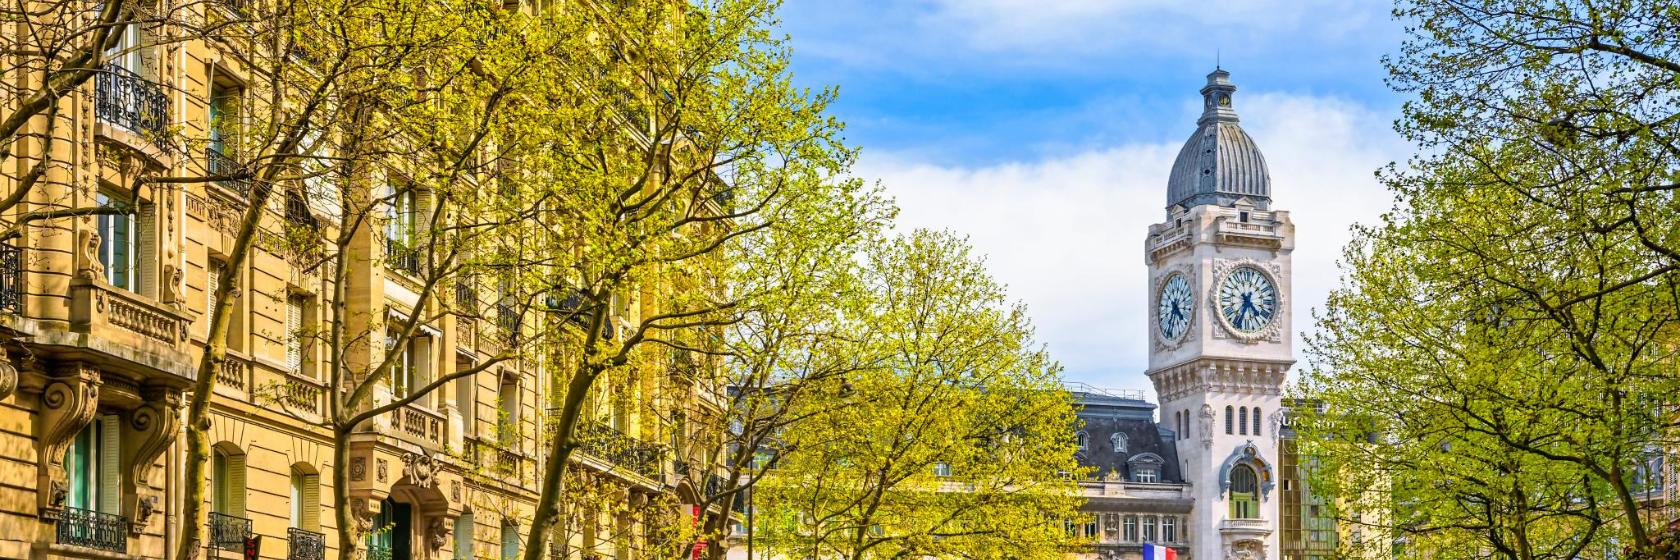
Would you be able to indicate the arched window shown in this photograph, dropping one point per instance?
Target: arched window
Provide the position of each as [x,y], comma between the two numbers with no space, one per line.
[1186,423]
[1242,421]
[1084,441]
[1228,420]
[1245,486]
[1256,420]
[1118,441]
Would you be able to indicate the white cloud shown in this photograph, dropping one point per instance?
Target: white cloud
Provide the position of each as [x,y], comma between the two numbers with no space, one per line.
[1066,233]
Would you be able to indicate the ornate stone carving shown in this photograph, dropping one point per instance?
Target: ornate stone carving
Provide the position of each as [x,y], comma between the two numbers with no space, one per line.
[145,436]
[1206,426]
[8,375]
[437,533]
[172,285]
[143,514]
[362,515]
[455,491]
[379,470]
[90,267]
[1247,549]
[420,470]
[358,468]
[68,403]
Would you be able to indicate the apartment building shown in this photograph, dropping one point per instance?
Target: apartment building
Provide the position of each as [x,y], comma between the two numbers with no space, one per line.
[104,318]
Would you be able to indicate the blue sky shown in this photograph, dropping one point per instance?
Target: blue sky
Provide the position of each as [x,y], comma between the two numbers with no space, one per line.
[1044,130]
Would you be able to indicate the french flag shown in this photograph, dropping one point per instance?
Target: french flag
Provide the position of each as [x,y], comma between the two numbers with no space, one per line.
[1158,552]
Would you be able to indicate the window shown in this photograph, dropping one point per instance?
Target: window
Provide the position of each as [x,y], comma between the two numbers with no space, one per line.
[1228,420]
[1256,420]
[1242,421]
[1149,528]
[227,482]
[1169,529]
[118,238]
[1091,527]
[1128,530]
[464,536]
[1118,441]
[507,409]
[510,541]
[942,469]
[466,396]
[224,124]
[216,272]
[1244,490]
[93,465]
[1084,441]
[306,500]
[295,306]
[399,225]
[1147,474]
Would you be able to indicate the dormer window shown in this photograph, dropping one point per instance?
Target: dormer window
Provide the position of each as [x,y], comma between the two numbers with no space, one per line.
[1118,441]
[1242,217]
[1084,441]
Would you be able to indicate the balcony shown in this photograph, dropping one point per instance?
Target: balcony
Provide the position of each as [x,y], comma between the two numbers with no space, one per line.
[228,532]
[11,279]
[376,551]
[617,449]
[1250,233]
[124,317]
[400,256]
[127,100]
[305,545]
[507,321]
[418,424]
[92,529]
[301,394]
[218,164]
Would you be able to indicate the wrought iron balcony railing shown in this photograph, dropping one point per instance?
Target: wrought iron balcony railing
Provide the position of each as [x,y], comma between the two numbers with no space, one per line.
[617,448]
[11,279]
[507,319]
[218,164]
[378,551]
[305,545]
[125,99]
[400,256]
[92,529]
[228,532]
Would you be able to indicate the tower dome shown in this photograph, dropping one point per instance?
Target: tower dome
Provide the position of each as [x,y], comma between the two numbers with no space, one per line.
[1220,163]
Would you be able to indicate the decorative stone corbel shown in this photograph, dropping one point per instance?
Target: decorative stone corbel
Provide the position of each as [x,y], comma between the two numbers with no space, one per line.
[90,267]
[145,436]
[437,535]
[68,403]
[8,375]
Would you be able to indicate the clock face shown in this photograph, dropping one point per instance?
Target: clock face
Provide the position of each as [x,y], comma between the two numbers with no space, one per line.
[1172,313]
[1247,299]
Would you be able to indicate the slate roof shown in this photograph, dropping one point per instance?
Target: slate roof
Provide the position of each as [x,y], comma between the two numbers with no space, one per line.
[1102,415]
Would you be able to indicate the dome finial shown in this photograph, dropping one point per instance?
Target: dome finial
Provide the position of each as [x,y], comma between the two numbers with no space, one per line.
[1216,98]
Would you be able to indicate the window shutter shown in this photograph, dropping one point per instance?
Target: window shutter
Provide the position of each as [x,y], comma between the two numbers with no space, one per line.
[236,484]
[464,536]
[110,465]
[212,282]
[144,270]
[294,339]
[312,502]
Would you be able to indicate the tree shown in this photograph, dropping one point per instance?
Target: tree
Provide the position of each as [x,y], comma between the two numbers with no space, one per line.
[956,440]
[678,137]
[1501,349]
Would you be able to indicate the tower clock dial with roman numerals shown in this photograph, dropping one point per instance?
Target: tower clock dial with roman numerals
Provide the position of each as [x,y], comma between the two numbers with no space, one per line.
[1176,303]
[1247,300]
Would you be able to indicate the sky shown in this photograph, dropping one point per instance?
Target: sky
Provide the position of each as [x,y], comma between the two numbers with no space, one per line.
[1044,130]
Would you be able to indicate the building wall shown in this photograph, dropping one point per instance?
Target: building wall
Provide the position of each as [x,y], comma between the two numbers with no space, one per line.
[80,347]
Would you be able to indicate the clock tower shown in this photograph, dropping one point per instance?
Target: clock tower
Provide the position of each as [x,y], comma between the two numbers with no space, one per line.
[1220,331]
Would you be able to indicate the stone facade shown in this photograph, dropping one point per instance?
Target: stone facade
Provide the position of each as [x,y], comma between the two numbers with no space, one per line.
[99,356]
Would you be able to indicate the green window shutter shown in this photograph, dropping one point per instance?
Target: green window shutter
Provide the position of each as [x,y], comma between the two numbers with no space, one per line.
[144,280]
[510,542]
[110,465]
[236,485]
[312,502]
[219,482]
[294,340]
[76,462]
[464,536]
